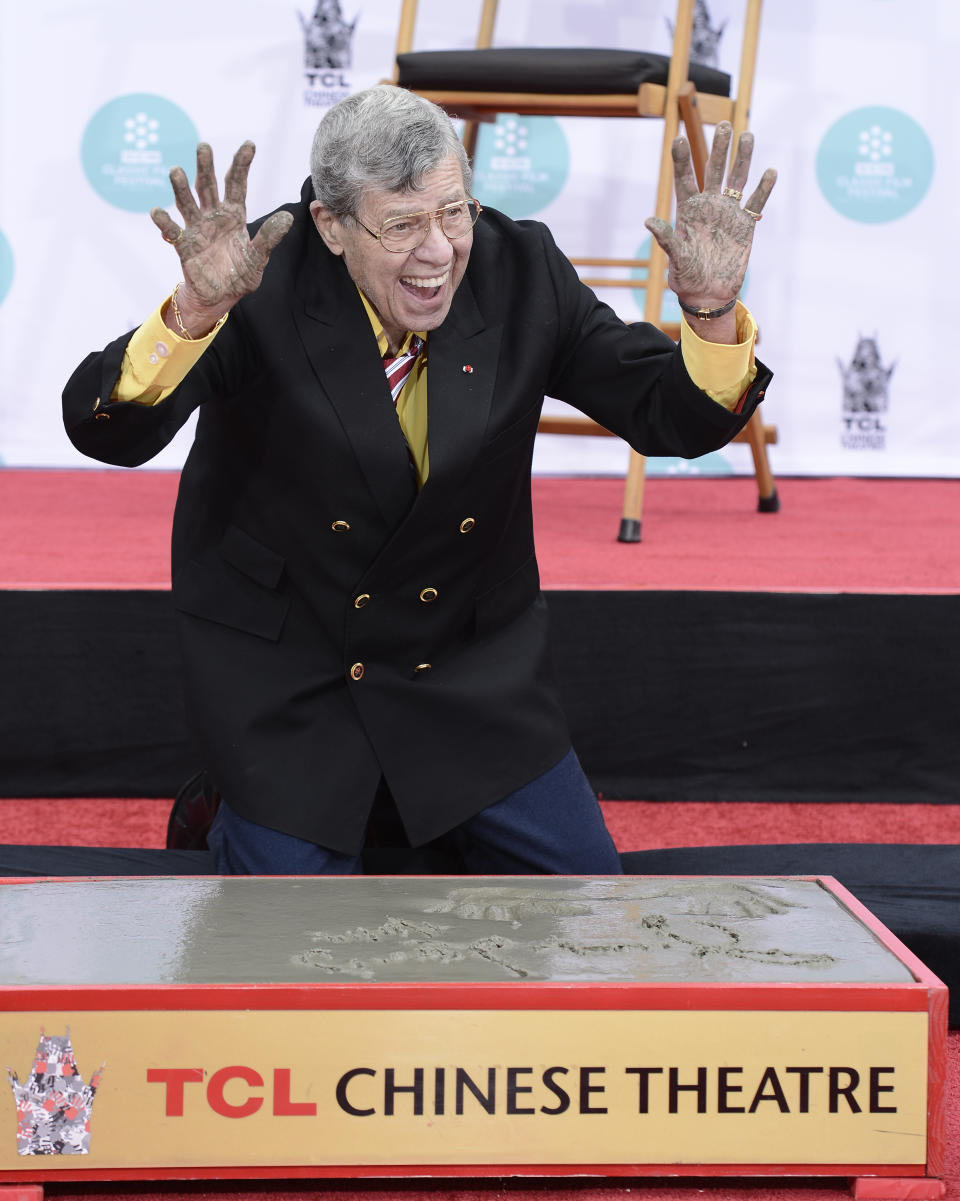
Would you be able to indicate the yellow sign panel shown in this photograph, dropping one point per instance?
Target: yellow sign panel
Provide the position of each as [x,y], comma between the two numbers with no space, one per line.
[411,1087]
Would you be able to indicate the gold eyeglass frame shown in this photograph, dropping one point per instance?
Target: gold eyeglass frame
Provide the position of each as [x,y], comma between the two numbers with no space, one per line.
[431,215]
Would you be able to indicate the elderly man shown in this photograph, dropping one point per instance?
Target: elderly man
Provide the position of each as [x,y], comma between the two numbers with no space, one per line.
[354,576]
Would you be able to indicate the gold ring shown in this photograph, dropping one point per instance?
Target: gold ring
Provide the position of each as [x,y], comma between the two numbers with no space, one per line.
[173,241]
[751,213]
[733,194]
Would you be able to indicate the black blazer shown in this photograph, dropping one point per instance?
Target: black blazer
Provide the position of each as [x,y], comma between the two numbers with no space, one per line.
[297,500]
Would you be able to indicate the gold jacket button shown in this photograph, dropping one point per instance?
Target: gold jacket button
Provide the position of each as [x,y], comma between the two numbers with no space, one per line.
[101,417]
[428,595]
[356,672]
[341,527]
[361,600]
[421,667]
[467,525]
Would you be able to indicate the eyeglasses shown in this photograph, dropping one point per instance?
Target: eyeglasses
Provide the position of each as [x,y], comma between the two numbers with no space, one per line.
[400,235]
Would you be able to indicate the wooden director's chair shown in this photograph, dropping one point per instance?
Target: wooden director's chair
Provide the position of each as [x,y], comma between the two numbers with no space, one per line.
[478,84]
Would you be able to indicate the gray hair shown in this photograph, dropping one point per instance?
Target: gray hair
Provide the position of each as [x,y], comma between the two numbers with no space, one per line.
[384,137]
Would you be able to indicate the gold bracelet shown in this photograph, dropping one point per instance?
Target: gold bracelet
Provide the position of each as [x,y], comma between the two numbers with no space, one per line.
[176,316]
[187,337]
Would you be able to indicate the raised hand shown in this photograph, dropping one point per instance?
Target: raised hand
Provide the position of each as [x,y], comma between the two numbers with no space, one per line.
[219,260]
[709,246]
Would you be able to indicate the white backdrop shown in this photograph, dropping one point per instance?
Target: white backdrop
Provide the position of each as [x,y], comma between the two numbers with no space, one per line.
[853,277]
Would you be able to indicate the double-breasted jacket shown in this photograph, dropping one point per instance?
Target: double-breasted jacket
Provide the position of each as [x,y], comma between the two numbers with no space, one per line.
[338,626]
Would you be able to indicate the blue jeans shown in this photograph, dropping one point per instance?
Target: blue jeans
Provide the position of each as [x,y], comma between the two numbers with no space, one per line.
[553,825]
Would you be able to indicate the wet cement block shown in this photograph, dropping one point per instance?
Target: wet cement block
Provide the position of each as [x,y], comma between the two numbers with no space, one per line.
[529,1025]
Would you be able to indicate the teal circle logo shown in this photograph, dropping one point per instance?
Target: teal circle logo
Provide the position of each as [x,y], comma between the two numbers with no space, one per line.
[713,463]
[129,147]
[6,267]
[669,308]
[521,164]
[875,164]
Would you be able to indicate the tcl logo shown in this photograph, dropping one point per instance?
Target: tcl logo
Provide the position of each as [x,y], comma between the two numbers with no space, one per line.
[232,1092]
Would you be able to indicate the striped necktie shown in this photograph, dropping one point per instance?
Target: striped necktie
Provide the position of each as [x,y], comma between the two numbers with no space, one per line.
[399,368]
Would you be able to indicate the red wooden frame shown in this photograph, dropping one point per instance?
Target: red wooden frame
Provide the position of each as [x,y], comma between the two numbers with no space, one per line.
[906,1181]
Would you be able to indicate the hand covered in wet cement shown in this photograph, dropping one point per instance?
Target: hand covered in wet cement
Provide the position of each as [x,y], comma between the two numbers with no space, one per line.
[220,262]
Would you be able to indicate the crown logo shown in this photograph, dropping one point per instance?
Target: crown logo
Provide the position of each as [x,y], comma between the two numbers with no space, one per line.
[865,379]
[53,1103]
[328,37]
[705,38]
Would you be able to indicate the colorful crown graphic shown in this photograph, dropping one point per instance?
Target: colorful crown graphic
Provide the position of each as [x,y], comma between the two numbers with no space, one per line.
[53,1103]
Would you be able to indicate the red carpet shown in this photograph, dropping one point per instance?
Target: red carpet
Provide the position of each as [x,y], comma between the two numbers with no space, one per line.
[831,535]
[635,825]
[111,529]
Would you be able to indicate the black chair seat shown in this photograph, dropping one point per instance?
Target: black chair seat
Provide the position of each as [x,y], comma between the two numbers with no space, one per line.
[572,71]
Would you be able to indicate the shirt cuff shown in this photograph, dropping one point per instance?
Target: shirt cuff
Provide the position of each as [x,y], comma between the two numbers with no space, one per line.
[723,371]
[157,360]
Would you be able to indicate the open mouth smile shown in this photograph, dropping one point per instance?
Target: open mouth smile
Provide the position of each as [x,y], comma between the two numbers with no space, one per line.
[424,287]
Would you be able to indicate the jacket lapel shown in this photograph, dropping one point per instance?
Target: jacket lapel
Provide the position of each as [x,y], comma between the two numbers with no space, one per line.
[461,369]
[336,333]
[342,350]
